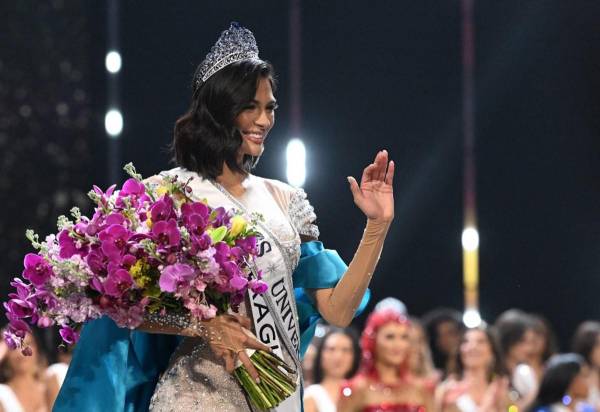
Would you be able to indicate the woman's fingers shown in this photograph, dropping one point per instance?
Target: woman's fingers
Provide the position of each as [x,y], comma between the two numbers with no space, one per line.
[382,163]
[243,320]
[389,176]
[254,343]
[367,174]
[354,188]
[248,365]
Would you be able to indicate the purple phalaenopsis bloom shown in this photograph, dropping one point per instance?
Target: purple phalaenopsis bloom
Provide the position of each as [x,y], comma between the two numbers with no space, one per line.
[195,217]
[114,241]
[238,282]
[162,209]
[248,244]
[258,286]
[68,246]
[135,191]
[117,283]
[174,275]
[166,233]
[69,335]
[221,217]
[36,270]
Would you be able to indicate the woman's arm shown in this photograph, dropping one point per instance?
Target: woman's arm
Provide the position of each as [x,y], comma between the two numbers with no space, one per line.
[310,405]
[374,196]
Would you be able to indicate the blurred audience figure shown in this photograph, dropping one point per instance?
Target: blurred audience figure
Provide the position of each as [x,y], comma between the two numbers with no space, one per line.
[516,336]
[384,382]
[544,344]
[393,304]
[478,384]
[55,373]
[308,361]
[586,342]
[337,358]
[444,327]
[23,386]
[564,386]
[420,361]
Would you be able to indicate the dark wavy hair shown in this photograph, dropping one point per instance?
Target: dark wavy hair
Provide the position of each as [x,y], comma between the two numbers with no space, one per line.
[205,137]
[560,372]
[497,368]
[511,327]
[585,339]
[350,333]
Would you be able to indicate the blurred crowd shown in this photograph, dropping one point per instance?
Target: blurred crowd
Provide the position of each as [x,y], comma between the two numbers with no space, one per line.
[402,363]
[397,363]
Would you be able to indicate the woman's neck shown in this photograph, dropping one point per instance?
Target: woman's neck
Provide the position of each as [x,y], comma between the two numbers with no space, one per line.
[23,377]
[231,180]
[388,374]
[476,376]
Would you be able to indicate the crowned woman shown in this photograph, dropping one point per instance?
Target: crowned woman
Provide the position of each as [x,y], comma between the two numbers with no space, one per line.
[173,366]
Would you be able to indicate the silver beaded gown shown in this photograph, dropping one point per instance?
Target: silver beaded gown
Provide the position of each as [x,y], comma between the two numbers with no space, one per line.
[195,379]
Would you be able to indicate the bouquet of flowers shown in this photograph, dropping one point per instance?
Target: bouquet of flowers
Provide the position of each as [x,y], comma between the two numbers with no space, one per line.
[149,249]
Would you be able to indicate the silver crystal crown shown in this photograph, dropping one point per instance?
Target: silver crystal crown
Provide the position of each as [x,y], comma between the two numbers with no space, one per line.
[235,44]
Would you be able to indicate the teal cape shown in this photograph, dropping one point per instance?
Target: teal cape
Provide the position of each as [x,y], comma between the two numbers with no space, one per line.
[116,369]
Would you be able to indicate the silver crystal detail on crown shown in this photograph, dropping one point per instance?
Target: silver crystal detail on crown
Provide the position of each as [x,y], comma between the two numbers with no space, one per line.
[235,44]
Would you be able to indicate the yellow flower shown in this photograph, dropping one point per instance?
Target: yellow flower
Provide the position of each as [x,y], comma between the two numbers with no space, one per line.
[238,225]
[161,191]
[139,273]
[148,220]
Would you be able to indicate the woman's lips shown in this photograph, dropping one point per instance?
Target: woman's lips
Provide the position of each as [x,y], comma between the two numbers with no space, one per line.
[254,137]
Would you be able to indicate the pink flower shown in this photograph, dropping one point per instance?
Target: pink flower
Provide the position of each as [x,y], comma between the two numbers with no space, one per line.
[36,269]
[174,275]
[69,335]
[166,233]
[117,283]
[258,286]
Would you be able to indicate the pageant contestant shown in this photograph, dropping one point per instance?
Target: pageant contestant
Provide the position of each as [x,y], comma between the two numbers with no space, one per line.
[217,142]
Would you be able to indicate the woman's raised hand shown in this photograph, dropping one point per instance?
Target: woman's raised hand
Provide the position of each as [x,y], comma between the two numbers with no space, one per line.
[375,194]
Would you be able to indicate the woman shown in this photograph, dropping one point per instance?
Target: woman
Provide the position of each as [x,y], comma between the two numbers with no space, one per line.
[544,344]
[564,386]
[384,382]
[478,384]
[216,144]
[516,337]
[337,359]
[443,327]
[586,342]
[24,386]
[421,363]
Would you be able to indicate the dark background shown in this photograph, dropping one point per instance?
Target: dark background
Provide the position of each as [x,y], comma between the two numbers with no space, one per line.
[378,74]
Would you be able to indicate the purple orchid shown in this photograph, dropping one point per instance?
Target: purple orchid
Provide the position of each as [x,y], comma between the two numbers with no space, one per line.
[117,283]
[69,247]
[162,209]
[258,286]
[69,335]
[174,275]
[37,270]
[114,241]
[166,233]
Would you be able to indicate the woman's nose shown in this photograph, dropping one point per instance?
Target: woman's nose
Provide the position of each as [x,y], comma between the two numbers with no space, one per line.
[262,119]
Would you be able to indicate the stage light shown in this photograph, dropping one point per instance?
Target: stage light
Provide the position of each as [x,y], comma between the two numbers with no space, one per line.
[470,239]
[113,123]
[113,61]
[296,162]
[471,318]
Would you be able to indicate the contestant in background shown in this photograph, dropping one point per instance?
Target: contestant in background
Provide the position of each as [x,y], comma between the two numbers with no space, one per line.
[384,382]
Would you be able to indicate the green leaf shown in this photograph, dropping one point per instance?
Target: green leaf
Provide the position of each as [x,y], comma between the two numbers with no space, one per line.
[218,234]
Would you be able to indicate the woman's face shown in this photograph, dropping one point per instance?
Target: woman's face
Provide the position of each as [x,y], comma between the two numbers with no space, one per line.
[417,342]
[523,351]
[476,350]
[580,386]
[595,355]
[337,356]
[392,344]
[256,119]
[539,345]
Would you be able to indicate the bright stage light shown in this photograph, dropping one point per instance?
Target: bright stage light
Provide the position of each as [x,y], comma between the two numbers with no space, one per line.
[471,318]
[296,162]
[113,123]
[113,61]
[470,239]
